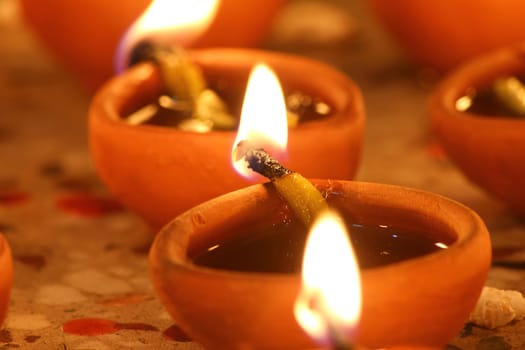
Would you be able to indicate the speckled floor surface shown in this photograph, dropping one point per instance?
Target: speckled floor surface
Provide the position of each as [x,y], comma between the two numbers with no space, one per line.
[81,259]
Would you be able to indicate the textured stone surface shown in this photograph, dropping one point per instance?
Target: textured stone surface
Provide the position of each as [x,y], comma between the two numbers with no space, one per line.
[80,258]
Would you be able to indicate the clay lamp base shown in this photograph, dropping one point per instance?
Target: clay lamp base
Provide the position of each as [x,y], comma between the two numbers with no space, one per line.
[6,276]
[159,172]
[489,149]
[422,301]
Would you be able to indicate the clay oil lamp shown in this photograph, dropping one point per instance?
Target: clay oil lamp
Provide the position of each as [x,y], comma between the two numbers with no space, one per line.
[160,171]
[6,276]
[475,114]
[229,270]
[443,34]
[234,308]
[83,36]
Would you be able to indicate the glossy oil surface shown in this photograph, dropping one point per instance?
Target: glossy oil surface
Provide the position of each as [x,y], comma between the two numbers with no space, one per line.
[279,249]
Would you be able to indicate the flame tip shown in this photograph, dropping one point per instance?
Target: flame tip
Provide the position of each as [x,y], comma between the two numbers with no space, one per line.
[263,121]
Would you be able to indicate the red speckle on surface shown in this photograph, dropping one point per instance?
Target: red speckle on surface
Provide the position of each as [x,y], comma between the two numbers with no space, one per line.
[36,261]
[13,198]
[87,205]
[436,151]
[90,326]
[6,228]
[99,326]
[175,333]
[5,336]
[31,338]
[142,249]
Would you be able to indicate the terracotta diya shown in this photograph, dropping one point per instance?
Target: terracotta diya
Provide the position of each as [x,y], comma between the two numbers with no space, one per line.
[159,172]
[6,276]
[420,301]
[488,147]
[443,34]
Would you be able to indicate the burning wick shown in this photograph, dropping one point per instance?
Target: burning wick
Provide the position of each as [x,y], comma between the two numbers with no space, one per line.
[260,161]
[310,206]
[318,306]
[301,195]
[147,51]
[186,88]
[182,78]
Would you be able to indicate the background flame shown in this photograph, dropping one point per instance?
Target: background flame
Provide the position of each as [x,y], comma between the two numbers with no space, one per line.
[165,22]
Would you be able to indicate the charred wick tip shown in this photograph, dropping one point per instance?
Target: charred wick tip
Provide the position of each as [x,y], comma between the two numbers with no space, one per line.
[261,162]
[302,196]
[148,51]
[143,51]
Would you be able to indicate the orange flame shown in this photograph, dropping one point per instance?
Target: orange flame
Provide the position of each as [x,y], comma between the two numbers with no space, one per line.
[263,118]
[330,297]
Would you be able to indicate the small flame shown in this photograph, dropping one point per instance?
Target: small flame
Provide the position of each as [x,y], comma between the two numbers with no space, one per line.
[167,22]
[263,117]
[329,304]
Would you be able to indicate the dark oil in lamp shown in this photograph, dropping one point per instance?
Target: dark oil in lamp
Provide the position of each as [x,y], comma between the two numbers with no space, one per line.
[169,112]
[504,96]
[279,248]
[193,100]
